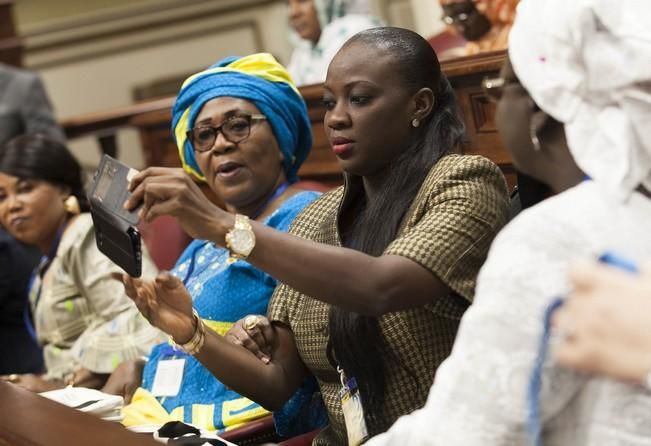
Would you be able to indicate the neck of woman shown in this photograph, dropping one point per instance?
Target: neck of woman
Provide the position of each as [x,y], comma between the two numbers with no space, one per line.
[373,183]
[47,245]
[265,204]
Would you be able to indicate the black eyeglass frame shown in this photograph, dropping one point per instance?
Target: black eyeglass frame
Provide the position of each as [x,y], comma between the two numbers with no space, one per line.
[251,119]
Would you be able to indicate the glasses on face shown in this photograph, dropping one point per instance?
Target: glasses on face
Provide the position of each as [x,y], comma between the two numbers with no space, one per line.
[456,18]
[235,129]
[493,88]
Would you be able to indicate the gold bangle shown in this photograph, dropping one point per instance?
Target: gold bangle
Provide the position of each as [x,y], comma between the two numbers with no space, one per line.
[198,338]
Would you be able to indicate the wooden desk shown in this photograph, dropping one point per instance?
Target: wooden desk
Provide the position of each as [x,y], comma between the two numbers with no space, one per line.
[27,419]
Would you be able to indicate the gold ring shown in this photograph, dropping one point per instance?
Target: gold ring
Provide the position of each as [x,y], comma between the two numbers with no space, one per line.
[13,378]
[250,322]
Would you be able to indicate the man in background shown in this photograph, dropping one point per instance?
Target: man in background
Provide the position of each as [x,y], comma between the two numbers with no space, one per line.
[24,105]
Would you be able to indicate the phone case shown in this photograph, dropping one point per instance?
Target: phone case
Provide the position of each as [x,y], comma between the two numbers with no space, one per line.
[115,235]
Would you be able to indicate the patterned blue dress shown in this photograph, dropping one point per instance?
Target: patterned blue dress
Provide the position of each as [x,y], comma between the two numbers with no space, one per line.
[222,293]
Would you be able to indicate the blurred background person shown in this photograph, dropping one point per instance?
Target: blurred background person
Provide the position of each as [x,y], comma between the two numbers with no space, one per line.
[485,24]
[319,29]
[24,108]
[24,105]
[19,352]
[82,318]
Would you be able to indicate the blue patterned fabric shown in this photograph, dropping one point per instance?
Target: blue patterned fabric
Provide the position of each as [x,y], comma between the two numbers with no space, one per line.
[222,292]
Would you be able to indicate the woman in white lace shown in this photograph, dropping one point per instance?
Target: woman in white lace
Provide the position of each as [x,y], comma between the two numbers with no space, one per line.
[580,81]
[320,28]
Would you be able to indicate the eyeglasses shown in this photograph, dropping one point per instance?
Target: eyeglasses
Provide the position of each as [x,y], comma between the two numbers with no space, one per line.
[235,129]
[456,18]
[493,88]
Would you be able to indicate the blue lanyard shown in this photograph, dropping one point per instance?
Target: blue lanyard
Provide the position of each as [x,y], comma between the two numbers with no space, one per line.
[40,269]
[535,380]
[277,193]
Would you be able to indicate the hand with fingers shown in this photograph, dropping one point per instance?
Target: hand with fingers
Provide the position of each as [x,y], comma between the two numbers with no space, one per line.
[166,191]
[164,302]
[256,334]
[125,379]
[607,324]
[32,382]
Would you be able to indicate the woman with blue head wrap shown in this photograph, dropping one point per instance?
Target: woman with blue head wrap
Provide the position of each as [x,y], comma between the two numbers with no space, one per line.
[263,82]
[242,127]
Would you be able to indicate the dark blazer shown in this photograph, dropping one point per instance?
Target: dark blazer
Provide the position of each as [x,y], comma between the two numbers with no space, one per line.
[19,353]
[24,106]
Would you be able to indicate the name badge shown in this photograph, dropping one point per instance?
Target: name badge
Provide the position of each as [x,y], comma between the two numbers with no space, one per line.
[168,377]
[351,405]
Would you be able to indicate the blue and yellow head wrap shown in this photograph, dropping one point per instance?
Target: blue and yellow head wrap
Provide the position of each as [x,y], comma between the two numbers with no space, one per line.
[258,78]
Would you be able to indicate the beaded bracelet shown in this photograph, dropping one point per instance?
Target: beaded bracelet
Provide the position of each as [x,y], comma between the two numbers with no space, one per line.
[195,343]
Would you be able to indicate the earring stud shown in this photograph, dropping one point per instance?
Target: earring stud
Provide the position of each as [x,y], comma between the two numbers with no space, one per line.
[415,122]
[534,137]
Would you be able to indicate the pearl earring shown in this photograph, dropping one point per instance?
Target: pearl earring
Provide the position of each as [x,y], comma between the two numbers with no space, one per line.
[415,122]
[71,205]
[534,137]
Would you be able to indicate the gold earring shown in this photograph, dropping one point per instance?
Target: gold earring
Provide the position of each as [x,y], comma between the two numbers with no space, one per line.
[71,205]
[415,122]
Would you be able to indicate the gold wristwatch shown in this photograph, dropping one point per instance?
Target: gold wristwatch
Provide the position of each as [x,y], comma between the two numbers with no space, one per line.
[240,240]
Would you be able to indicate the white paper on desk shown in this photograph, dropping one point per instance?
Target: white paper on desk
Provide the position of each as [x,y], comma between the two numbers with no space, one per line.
[103,405]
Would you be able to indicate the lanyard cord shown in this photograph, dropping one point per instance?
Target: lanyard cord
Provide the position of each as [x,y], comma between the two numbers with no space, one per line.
[535,381]
[277,193]
[40,270]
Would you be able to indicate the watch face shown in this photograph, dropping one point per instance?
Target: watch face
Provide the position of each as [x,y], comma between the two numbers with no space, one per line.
[242,241]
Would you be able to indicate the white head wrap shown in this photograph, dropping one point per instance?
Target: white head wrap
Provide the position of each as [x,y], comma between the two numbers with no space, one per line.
[328,11]
[587,63]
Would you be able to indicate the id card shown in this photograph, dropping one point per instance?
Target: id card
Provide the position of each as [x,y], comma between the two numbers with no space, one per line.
[351,405]
[168,377]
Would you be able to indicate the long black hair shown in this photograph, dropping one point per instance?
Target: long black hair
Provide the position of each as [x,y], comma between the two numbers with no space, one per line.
[356,342]
[39,157]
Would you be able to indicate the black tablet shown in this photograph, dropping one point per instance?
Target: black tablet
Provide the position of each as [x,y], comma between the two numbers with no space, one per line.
[115,231]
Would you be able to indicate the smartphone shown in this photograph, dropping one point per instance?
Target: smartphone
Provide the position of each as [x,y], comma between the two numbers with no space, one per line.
[115,232]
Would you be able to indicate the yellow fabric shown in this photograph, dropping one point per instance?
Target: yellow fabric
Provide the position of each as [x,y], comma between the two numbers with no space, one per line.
[240,417]
[218,327]
[203,415]
[179,131]
[262,65]
[145,409]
